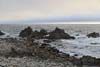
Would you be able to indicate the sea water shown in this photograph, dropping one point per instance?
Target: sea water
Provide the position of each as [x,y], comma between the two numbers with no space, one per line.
[81,46]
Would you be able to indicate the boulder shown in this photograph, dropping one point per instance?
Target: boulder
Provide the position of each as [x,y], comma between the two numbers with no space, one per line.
[1,33]
[94,35]
[26,32]
[59,34]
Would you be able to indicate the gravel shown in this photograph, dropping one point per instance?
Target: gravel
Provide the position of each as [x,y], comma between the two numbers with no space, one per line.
[31,62]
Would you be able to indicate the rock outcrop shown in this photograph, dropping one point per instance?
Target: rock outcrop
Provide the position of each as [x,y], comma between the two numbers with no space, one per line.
[39,34]
[93,35]
[59,34]
[43,34]
[26,32]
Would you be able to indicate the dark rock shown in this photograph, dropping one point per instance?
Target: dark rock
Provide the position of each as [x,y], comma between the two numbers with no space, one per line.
[1,33]
[53,49]
[43,32]
[75,54]
[64,55]
[26,32]
[59,34]
[19,53]
[77,62]
[2,66]
[39,34]
[88,60]
[49,41]
[77,34]
[44,45]
[94,35]
[97,62]
[35,34]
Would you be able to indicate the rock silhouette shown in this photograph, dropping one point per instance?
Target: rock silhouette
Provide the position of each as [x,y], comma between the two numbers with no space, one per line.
[26,32]
[39,34]
[42,34]
[59,34]
[94,35]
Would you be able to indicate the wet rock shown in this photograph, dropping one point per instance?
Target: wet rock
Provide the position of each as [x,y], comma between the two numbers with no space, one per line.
[75,54]
[26,32]
[1,33]
[49,40]
[44,45]
[59,34]
[94,35]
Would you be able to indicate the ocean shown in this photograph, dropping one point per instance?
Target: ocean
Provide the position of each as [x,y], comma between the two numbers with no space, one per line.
[81,46]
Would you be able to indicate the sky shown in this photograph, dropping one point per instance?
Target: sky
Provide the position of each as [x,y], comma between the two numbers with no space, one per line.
[49,10]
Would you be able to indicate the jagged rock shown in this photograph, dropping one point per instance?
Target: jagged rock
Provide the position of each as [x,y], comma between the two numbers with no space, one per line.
[1,33]
[26,32]
[43,32]
[39,34]
[94,35]
[35,34]
[59,34]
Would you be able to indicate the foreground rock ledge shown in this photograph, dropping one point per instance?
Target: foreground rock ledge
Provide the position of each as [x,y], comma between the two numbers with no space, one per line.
[20,53]
[31,62]
[20,48]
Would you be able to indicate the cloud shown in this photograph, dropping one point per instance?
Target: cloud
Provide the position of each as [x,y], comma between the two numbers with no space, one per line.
[21,9]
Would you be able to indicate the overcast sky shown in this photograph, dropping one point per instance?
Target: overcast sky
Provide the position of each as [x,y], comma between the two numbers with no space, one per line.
[49,9]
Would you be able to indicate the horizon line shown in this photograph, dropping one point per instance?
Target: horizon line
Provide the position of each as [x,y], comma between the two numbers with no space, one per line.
[92,22]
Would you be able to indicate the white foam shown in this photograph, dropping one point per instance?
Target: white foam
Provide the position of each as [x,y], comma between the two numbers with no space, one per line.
[7,35]
[82,45]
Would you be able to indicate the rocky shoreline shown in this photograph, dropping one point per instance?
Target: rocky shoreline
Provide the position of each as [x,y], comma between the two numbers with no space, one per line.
[18,53]
[26,46]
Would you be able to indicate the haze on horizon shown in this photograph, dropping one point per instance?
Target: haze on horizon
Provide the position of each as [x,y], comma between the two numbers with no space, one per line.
[49,10]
